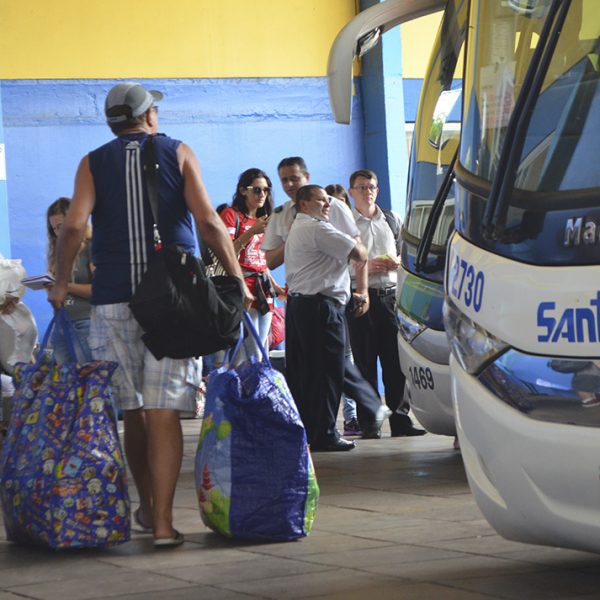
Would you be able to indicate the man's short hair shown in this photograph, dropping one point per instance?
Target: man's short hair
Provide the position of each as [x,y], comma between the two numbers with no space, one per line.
[306,191]
[127,104]
[291,161]
[366,173]
[132,123]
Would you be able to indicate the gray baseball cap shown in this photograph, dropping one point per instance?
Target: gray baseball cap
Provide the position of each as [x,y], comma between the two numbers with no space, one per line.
[129,100]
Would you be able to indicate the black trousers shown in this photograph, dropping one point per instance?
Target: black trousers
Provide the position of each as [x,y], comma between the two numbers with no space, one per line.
[315,355]
[374,336]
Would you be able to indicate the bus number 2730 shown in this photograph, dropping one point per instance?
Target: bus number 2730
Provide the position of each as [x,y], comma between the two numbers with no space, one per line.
[466,283]
[421,378]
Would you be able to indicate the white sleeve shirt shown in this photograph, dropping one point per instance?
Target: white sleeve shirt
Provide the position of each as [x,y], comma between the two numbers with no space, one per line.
[316,259]
[379,240]
[341,217]
[279,226]
[280,222]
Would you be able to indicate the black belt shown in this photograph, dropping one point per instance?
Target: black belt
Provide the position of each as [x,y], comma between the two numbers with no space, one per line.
[382,292]
[317,297]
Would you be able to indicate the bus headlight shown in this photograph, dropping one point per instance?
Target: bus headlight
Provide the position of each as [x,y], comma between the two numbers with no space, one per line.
[472,346]
[408,327]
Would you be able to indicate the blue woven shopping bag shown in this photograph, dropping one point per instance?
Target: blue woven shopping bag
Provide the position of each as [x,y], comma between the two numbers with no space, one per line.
[62,473]
[254,474]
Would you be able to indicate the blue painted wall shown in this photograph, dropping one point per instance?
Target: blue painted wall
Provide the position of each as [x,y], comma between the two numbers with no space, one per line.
[231,124]
[4,224]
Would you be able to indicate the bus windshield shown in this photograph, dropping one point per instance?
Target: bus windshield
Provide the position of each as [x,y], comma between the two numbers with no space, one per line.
[437,130]
[562,133]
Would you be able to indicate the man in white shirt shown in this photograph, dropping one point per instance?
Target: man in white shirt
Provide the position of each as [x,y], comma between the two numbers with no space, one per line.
[374,335]
[294,174]
[318,279]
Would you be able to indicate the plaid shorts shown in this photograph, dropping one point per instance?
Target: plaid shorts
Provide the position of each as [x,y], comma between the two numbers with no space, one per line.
[141,381]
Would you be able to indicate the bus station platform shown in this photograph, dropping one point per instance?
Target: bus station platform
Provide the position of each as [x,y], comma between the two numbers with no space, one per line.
[395,521]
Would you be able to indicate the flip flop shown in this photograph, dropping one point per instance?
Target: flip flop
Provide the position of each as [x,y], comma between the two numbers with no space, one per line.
[141,528]
[171,542]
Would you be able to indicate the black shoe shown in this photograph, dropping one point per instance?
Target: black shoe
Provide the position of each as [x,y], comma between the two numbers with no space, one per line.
[410,431]
[401,425]
[339,445]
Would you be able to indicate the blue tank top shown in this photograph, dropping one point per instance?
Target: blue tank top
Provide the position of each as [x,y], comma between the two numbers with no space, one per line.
[122,242]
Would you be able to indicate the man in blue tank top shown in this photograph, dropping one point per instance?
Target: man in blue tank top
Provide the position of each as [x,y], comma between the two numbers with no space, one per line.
[110,187]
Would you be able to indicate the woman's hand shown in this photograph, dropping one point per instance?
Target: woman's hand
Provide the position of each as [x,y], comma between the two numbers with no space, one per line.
[280,292]
[259,226]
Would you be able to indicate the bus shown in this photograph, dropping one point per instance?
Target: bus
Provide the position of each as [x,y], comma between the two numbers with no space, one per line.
[521,310]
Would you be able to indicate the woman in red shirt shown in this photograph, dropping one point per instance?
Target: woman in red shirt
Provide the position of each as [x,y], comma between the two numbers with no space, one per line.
[246,221]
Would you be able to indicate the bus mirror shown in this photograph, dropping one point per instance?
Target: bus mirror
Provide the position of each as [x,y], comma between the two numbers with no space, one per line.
[443,107]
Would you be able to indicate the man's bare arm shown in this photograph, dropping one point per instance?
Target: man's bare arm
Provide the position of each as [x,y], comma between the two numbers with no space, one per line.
[211,227]
[275,257]
[72,231]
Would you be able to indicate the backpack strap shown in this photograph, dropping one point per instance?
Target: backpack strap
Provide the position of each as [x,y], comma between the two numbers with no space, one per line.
[394,224]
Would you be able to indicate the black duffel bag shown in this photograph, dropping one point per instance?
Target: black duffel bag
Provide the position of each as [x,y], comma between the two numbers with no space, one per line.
[182,311]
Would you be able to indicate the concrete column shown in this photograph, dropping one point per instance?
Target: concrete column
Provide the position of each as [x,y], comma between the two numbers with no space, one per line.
[383,106]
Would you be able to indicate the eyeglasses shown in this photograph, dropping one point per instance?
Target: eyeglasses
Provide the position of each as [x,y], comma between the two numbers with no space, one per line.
[365,188]
[257,189]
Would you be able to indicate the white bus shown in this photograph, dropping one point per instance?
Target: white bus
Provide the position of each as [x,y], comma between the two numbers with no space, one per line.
[522,309]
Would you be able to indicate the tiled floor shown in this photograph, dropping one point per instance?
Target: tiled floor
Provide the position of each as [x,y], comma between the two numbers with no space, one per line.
[395,521]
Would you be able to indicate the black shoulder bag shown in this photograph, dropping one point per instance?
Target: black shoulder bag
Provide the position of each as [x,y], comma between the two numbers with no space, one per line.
[183,312]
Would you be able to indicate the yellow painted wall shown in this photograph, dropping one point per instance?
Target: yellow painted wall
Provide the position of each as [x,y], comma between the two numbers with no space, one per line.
[417,39]
[72,39]
[56,39]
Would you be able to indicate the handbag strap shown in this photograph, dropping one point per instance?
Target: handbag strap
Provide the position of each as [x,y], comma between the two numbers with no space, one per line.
[151,167]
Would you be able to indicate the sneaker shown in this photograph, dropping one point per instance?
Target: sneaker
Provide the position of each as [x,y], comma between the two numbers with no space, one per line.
[352,428]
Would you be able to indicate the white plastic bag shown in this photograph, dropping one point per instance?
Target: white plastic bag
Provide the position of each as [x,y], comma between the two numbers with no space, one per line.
[11,273]
[18,337]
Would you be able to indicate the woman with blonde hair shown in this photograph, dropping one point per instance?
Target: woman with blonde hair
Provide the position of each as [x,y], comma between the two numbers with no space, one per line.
[77,303]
